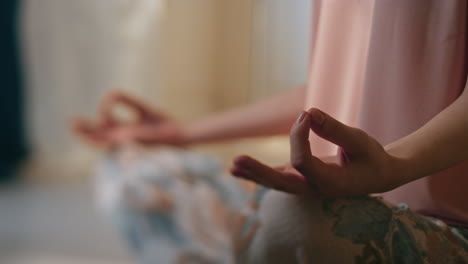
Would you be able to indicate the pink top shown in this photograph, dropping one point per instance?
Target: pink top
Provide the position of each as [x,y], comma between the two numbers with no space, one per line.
[388,67]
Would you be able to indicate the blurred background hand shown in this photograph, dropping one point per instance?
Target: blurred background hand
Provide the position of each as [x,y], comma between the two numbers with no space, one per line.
[147,125]
[72,52]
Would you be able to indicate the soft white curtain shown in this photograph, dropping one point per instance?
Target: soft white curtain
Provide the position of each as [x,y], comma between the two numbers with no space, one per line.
[189,57]
[74,51]
[275,34]
[281,42]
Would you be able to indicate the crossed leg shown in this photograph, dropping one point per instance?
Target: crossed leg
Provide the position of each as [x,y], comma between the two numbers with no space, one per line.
[349,230]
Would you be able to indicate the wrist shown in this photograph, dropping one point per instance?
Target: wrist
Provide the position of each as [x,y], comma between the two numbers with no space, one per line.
[401,164]
[187,135]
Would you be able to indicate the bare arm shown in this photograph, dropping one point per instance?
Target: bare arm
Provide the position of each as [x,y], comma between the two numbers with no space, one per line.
[152,127]
[438,145]
[364,165]
[270,117]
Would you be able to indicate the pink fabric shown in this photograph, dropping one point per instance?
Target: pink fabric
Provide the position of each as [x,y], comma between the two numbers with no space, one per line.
[388,67]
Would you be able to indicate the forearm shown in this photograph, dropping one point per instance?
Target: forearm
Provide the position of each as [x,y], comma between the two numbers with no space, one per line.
[273,116]
[438,145]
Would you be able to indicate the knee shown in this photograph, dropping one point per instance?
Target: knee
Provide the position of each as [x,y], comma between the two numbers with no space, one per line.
[289,223]
[358,218]
[296,214]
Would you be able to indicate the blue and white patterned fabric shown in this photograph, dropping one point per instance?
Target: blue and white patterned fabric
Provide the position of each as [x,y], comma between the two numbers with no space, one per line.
[203,198]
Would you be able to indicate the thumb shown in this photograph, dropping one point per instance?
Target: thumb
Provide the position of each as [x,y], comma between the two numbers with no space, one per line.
[352,140]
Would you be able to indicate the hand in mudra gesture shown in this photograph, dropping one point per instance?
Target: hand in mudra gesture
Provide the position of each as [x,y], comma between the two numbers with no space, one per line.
[148,127]
[362,166]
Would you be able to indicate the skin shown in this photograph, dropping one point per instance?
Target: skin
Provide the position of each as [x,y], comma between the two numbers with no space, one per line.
[151,127]
[360,161]
[438,145]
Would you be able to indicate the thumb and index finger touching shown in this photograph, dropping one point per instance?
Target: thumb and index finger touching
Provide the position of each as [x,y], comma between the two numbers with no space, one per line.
[115,98]
[96,130]
[348,138]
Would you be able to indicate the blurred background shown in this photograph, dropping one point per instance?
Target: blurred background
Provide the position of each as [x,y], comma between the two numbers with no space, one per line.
[187,57]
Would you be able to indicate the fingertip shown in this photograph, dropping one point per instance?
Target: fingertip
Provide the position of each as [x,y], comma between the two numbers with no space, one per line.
[232,170]
[301,117]
[317,117]
[116,92]
[110,98]
[302,123]
[313,110]
[235,171]
[242,161]
[239,172]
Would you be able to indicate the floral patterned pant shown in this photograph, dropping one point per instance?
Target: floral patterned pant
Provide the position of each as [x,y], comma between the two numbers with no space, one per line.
[353,230]
[199,215]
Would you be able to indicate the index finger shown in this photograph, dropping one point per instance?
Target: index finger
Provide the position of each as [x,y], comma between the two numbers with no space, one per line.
[115,98]
[301,155]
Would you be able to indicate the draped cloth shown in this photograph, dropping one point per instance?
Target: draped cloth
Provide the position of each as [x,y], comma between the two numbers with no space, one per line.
[388,67]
